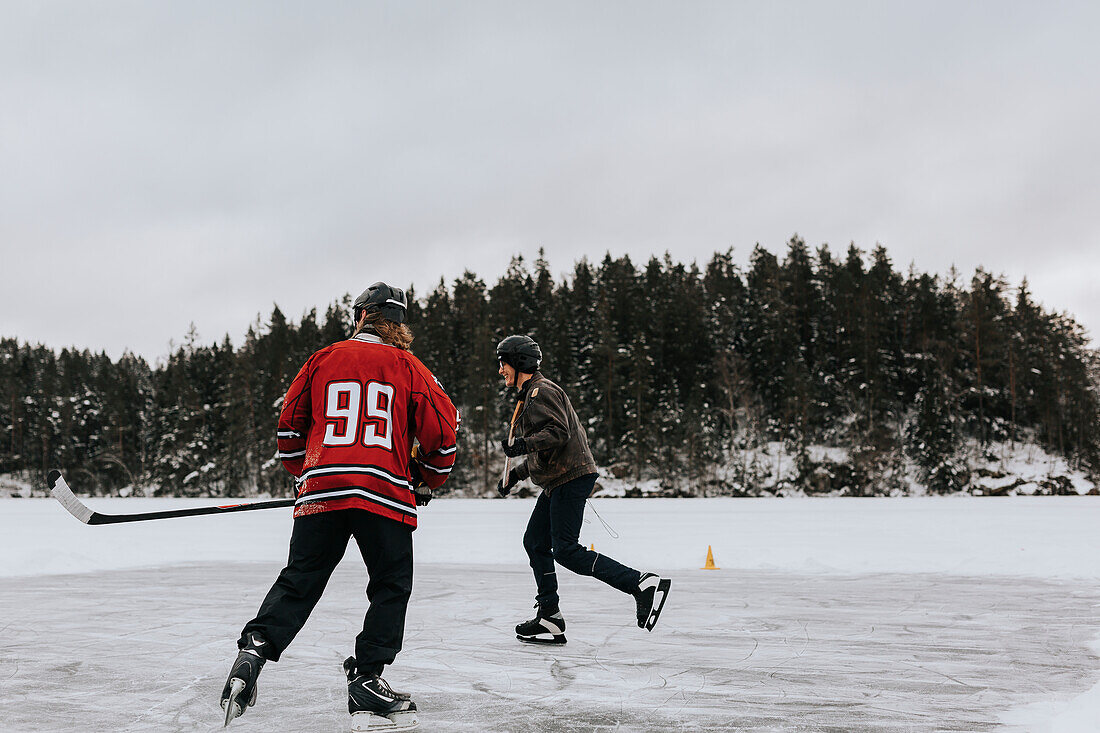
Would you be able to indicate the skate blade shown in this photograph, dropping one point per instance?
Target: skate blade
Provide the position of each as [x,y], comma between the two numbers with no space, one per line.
[404,720]
[658,605]
[555,641]
[233,709]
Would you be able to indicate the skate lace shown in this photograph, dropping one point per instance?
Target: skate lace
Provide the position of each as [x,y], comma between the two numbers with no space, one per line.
[539,615]
[607,527]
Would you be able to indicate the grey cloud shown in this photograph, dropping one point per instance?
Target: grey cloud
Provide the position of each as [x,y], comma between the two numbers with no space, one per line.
[169,163]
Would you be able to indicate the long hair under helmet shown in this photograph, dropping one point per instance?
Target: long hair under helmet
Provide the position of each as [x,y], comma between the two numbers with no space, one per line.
[382,298]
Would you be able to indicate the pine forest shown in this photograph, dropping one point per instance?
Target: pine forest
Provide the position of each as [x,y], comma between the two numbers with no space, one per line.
[808,373]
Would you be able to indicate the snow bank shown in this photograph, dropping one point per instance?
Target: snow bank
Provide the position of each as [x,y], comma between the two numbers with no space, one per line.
[11,486]
[995,469]
[1048,537]
[1024,468]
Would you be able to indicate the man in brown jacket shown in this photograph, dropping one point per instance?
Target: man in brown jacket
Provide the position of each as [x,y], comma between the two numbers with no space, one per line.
[546,429]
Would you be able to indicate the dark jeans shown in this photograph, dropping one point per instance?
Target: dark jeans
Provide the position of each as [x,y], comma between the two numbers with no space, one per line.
[553,533]
[317,544]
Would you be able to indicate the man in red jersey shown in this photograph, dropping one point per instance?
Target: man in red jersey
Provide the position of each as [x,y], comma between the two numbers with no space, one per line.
[346,432]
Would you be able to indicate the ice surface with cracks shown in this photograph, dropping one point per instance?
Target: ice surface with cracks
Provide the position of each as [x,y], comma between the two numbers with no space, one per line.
[828,615]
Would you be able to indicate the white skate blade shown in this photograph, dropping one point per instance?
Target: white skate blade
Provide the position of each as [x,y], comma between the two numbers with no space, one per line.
[659,596]
[233,709]
[543,639]
[404,720]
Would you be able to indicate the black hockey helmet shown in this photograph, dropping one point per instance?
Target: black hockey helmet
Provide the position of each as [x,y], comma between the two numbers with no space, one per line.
[520,352]
[385,298]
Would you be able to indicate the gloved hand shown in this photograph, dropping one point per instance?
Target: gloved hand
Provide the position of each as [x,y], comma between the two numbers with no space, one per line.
[505,488]
[416,478]
[422,495]
[517,448]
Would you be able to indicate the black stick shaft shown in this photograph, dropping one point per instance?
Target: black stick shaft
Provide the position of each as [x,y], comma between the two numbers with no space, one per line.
[61,491]
[98,518]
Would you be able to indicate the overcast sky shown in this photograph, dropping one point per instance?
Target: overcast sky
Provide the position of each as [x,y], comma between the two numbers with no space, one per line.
[169,163]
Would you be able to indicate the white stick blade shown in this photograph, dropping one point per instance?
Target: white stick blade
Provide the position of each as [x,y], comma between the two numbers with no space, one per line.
[61,491]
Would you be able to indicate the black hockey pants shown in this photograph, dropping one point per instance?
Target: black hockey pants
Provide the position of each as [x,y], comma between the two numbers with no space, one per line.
[553,533]
[317,544]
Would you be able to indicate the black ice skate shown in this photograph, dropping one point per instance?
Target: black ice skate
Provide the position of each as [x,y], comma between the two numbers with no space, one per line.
[374,705]
[651,594]
[544,628]
[240,689]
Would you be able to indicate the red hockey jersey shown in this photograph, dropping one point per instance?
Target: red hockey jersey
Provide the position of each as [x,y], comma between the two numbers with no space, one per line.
[347,428]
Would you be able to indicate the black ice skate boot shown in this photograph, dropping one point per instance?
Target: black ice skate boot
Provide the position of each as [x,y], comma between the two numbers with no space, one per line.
[240,689]
[547,627]
[374,705]
[650,597]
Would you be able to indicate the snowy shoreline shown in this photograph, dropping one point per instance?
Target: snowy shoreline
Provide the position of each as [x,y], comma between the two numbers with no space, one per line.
[1047,537]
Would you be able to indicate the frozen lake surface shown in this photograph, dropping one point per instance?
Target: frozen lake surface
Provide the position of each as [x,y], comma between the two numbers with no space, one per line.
[849,615]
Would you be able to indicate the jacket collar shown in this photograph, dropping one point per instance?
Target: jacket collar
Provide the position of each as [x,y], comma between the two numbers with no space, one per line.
[527,385]
[367,337]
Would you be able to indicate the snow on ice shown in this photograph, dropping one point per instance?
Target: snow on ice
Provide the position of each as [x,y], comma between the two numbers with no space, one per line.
[921,613]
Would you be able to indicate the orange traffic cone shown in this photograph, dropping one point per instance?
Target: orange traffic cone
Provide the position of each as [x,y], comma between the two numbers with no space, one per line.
[710,561]
[592,547]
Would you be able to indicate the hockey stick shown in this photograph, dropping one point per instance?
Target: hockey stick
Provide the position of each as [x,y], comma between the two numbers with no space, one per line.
[61,491]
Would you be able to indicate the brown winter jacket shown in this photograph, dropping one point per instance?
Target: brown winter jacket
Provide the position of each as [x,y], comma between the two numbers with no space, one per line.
[557,444]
